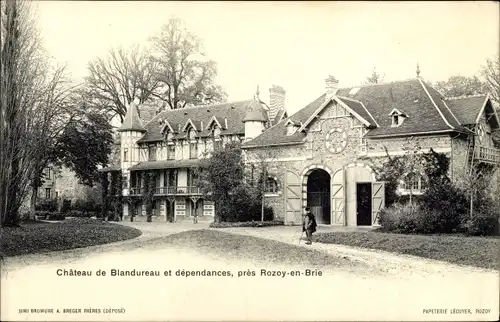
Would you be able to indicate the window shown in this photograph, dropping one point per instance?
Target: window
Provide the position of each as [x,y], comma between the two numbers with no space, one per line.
[397,117]
[192,134]
[171,152]
[395,120]
[290,129]
[47,193]
[152,152]
[414,183]
[193,150]
[125,155]
[46,173]
[271,186]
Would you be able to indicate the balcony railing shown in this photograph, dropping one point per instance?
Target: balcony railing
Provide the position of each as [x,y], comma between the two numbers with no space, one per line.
[485,154]
[187,190]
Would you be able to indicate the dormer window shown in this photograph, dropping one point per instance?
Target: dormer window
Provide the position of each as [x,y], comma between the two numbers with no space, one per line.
[397,117]
[192,134]
[291,128]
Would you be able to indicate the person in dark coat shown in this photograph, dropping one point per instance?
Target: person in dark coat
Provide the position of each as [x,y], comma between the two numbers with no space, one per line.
[309,225]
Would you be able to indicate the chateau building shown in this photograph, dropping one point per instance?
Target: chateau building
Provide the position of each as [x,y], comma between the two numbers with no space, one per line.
[173,142]
[321,157]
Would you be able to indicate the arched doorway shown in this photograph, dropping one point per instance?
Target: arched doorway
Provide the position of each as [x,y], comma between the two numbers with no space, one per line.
[318,195]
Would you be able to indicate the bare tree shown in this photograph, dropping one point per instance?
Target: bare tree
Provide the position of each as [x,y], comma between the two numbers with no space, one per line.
[119,79]
[491,72]
[262,161]
[375,77]
[32,97]
[186,78]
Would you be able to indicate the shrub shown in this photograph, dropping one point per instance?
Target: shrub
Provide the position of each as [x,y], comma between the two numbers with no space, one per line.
[482,224]
[66,206]
[79,214]
[49,215]
[448,199]
[86,206]
[46,205]
[418,219]
[243,206]
[485,220]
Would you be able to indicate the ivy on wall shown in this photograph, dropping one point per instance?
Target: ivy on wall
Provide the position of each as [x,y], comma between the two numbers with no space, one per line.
[148,190]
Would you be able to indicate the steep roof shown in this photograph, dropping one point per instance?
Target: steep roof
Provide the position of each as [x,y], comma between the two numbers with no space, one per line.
[132,121]
[255,112]
[277,133]
[427,111]
[466,108]
[229,115]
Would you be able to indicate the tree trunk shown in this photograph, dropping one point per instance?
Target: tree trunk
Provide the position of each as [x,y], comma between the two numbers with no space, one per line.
[471,203]
[262,208]
[33,201]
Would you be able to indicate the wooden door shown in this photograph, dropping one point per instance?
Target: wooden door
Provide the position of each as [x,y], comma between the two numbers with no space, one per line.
[378,200]
[338,198]
[293,198]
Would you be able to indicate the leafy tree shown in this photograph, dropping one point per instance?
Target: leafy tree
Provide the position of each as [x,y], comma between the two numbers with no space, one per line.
[84,145]
[461,86]
[222,177]
[375,77]
[118,79]
[185,78]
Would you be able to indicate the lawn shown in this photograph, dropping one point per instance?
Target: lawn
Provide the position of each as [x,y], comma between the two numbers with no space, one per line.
[253,249]
[473,251]
[41,237]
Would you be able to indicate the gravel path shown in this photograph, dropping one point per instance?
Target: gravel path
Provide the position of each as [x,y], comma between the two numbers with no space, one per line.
[396,264]
[412,286]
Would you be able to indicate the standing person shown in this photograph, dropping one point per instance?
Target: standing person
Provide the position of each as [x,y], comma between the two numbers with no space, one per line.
[309,225]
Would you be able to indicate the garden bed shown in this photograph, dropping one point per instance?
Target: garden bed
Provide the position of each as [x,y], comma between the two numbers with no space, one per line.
[39,237]
[458,249]
[246,224]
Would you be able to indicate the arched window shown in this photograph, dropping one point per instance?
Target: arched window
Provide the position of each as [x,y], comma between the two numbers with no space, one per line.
[271,185]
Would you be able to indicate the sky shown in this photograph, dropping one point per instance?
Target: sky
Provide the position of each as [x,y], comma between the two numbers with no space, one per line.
[292,44]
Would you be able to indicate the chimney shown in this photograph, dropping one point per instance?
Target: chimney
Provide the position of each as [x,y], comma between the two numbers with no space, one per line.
[276,100]
[331,86]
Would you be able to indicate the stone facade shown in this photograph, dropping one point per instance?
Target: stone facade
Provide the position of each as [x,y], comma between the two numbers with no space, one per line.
[62,183]
[317,152]
[348,155]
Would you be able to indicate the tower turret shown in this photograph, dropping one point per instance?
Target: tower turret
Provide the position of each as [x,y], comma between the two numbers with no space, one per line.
[131,131]
[255,120]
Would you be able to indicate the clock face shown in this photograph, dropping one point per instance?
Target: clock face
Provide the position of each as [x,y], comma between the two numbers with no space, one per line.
[336,140]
